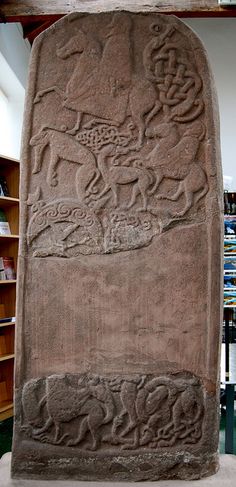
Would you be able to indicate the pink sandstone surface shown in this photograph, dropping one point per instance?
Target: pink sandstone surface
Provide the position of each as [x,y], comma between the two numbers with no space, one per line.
[119,295]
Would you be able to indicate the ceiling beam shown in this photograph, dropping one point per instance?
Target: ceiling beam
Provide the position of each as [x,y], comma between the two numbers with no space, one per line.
[33,29]
[36,10]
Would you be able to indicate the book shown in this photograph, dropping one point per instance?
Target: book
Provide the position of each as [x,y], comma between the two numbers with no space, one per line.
[8,320]
[229,299]
[229,264]
[230,246]
[7,269]
[229,203]
[4,225]
[230,282]
[4,191]
[230,225]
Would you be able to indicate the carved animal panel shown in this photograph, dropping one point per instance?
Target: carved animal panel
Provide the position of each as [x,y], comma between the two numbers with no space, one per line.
[135,151]
[130,412]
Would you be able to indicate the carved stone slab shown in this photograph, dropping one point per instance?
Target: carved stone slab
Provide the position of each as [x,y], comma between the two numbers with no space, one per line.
[120,272]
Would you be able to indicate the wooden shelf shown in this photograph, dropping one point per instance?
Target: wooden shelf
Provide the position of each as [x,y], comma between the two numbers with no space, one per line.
[7,414]
[8,160]
[31,12]
[7,323]
[6,410]
[8,201]
[5,405]
[8,281]
[7,237]
[9,171]
[6,357]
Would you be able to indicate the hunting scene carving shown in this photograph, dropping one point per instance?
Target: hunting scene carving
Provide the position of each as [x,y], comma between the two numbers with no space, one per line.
[93,412]
[137,142]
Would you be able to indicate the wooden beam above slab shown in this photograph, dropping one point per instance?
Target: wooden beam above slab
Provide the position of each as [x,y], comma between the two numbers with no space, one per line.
[35,10]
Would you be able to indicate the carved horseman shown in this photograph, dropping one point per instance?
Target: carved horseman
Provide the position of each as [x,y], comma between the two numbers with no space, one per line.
[104,90]
[100,88]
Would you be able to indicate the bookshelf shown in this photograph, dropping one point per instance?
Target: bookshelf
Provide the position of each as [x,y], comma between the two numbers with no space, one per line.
[9,170]
[230,249]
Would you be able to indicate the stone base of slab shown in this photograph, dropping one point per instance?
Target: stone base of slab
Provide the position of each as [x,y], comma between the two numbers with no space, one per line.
[225,476]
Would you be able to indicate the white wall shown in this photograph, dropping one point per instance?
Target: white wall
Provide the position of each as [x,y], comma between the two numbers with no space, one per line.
[14,60]
[15,50]
[219,38]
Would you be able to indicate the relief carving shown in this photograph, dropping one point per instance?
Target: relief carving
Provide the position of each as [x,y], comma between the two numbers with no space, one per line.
[69,225]
[168,65]
[136,141]
[102,88]
[93,412]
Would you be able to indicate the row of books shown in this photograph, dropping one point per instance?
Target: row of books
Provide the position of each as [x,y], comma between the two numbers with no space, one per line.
[229,264]
[4,225]
[229,282]
[7,268]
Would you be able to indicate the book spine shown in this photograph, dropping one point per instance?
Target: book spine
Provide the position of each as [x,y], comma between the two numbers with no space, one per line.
[2,272]
[9,269]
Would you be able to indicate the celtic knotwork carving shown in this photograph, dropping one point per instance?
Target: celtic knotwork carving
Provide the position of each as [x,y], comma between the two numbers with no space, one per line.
[93,412]
[95,138]
[169,66]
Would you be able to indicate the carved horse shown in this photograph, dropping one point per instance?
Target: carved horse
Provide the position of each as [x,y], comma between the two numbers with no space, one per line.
[100,88]
[64,146]
[174,158]
[194,182]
